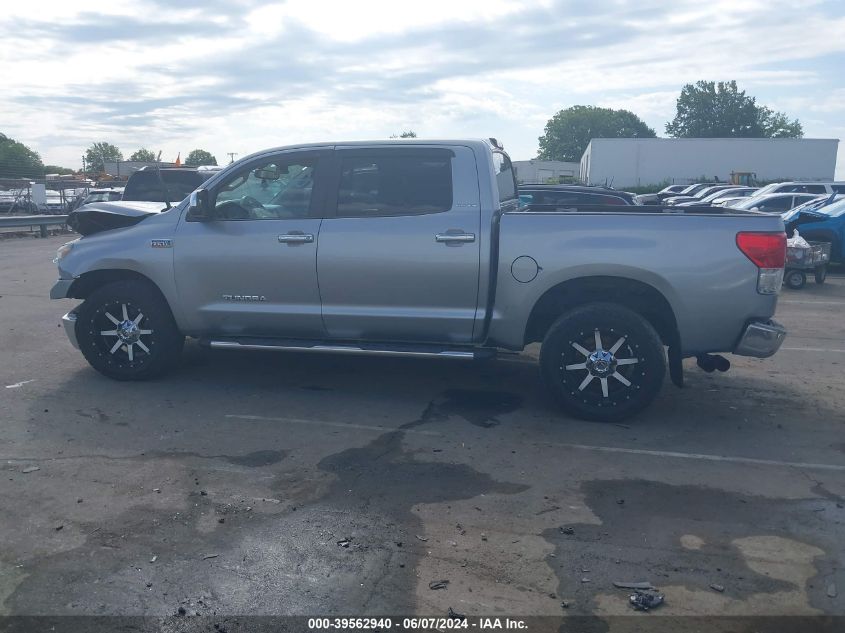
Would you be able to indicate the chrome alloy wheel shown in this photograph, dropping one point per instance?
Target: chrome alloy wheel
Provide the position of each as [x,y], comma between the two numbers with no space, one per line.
[615,368]
[126,334]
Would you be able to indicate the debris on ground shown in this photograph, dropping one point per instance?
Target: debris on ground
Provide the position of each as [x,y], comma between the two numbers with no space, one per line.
[483,536]
[207,556]
[460,529]
[181,611]
[158,490]
[644,586]
[421,538]
[642,601]
[454,615]
[567,530]
[59,527]
[831,590]
[79,500]
[30,469]
[344,542]
[564,604]
[221,520]
[438,584]
[719,588]
[154,559]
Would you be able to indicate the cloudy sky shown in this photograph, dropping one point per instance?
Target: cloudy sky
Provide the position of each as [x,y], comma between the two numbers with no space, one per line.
[242,75]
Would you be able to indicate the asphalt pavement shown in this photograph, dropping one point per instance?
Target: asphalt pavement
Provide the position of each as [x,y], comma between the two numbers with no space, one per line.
[294,484]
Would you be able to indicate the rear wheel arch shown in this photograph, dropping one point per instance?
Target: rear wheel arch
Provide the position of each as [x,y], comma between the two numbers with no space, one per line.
[640,297]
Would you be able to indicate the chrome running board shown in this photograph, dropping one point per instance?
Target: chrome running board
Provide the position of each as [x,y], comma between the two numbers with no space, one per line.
[362,349]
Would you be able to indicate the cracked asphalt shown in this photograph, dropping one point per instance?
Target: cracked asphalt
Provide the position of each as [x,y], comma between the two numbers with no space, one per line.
[289,484]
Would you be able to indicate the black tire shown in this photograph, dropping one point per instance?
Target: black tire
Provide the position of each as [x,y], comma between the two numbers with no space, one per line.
[155,330]
[795,279]
[586,399]
[821,274]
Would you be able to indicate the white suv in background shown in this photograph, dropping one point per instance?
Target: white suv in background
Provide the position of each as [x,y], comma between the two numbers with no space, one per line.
[819,188]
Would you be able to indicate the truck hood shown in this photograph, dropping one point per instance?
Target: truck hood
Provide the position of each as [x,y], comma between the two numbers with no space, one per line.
[103,216]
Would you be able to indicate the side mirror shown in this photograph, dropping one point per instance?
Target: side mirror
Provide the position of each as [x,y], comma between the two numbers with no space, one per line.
[199,207]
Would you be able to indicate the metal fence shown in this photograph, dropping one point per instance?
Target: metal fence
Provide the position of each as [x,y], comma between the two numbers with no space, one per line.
[32,221]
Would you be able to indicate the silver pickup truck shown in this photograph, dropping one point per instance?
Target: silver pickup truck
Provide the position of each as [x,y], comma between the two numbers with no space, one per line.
[422,248]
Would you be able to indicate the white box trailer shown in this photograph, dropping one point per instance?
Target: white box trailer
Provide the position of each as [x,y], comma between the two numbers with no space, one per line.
[632,162]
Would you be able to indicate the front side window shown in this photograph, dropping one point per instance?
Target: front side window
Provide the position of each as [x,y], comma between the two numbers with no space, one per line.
[781,203]
[277,189]
[395,184]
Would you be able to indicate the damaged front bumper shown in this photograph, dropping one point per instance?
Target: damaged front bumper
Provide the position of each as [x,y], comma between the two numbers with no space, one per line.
[69,323]
[761,339]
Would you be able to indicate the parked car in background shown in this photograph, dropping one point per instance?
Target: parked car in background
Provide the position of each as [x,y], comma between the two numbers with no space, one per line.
[657,198]
[733,192]
[103,195]
[421,249]
[804,187]
[821,220]
[698,195]
[554,197]
[775,202]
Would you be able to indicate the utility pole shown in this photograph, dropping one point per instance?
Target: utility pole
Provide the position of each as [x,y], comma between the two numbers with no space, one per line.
[231,156]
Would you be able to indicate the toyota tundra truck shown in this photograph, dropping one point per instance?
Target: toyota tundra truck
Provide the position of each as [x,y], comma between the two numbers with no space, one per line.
[422,248]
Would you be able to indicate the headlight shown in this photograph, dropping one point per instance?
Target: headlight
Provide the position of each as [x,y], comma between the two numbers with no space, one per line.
[64,251]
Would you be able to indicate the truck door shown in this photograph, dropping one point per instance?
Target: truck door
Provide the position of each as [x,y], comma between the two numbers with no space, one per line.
[399,259]
[252,268]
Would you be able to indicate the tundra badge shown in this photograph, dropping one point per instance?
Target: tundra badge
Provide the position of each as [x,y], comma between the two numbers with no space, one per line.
[163,243]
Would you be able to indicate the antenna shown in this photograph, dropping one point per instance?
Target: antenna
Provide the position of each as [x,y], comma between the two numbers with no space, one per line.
[231,156]
[161,180]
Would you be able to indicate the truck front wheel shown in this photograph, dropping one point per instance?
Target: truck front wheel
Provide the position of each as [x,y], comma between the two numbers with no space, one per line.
[126,331]
[602,362]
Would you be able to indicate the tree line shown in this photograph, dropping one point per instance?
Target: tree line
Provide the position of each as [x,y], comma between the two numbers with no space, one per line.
[705,109]
[19,161]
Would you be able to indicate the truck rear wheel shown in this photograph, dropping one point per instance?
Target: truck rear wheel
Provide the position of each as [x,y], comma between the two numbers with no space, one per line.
[795,279]
[126,331]
[602,362]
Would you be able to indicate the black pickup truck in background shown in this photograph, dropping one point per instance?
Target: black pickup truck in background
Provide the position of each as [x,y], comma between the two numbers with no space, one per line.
[170,184]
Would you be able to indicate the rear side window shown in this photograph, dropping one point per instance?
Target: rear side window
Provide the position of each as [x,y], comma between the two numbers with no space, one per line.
[505,177]
[813,189]
[395,183]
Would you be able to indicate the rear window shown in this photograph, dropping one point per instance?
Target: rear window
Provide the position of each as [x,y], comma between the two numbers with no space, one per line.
[395,183]
[146,186]
[505,177]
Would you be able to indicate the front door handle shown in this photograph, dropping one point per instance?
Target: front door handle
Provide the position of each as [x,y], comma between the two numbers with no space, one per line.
[296,238]
[450,238]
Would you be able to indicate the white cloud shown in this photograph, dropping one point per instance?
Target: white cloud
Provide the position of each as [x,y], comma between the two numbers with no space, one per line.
[238,75]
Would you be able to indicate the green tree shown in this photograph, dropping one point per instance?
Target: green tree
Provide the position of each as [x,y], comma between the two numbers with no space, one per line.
[143,155]
[17,160]
[405,134]
[200,157]
[57,169]
[568,132]
[708,109]
[99,153]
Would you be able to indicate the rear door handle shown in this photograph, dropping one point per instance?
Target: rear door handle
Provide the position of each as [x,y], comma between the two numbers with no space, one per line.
[296,238]
[449,238]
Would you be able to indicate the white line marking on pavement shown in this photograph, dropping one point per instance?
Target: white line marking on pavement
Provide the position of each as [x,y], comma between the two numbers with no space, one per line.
[340,425]
[813,349]
[818,303]
[581,447]
[19,384]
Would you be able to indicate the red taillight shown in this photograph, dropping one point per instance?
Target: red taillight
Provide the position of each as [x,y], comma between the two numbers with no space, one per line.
[766,250]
